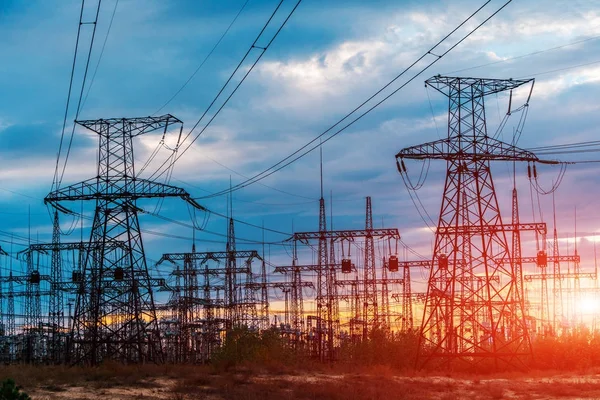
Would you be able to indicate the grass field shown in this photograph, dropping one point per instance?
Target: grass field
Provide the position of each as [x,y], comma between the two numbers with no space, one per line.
[195,382]
[251,366]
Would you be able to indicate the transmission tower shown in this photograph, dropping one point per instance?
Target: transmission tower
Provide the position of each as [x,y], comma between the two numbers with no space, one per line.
[333,309]
[264,292]
[231,283]
[10,312]
[56,310]
[322,282]
[385,297]
[115,315]
[370,311]
[470,294]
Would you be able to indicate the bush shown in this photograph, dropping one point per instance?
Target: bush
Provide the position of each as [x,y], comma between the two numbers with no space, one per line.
[10,391]
[243,346]
[575,350]
[398,351]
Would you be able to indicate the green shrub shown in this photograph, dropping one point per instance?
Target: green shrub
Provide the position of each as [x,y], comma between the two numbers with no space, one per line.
[10,391]
[243,346]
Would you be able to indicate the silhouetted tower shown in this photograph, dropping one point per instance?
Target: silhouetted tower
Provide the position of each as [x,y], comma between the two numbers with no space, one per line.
[355,309]
[264,292]
[249,312]
[10,311]
[115,316]
[3,319]
[231,284]
[407,301]
[385,295]
[370,310]
[323,275]
[187,309]
[33,308]
[473,272]
[518,294]
[56,307]
[209,334]
[558,310]
[333,311]
[296,300]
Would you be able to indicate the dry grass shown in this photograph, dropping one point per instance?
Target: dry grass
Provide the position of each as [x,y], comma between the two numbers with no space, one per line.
[252,383]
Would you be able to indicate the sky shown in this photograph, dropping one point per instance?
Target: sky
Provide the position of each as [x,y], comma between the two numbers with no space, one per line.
[328,58]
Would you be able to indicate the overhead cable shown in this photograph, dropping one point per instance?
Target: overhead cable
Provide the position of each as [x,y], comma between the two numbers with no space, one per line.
[299,153]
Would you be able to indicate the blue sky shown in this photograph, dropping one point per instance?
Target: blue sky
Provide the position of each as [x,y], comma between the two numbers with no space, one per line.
[329,58]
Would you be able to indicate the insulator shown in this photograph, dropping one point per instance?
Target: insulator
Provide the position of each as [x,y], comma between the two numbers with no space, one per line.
[76,276]
[403,165]
[119,274]
[443,261]
[529,171]
[393,264]
[35,277]
[534,172]
[398,166]
[542,259]
[346,266]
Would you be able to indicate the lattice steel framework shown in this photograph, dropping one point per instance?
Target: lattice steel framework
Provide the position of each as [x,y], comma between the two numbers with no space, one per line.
[370,308]
[115,315]
[324,269]
[192,306]
[473,293]
[56,309]
[323,305]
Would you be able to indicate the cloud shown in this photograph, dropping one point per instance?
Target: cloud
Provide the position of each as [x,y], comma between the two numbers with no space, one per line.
[302,86]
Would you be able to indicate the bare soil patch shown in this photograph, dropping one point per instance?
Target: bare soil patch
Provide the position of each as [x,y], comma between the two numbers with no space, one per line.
[193,382]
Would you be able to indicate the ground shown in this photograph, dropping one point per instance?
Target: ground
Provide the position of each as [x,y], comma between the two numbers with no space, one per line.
[179,383]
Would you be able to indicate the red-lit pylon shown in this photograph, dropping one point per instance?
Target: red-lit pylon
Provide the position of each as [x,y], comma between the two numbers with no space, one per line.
[470,305]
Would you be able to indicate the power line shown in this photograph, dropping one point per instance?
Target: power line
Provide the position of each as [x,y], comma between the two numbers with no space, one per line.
[524,55]
[62,135]
[256,202]
[112,17]
[204,60]
[566,145]
[561,69]
[58,180]
[263,50]
[262,184]
[238,239]
[284,163]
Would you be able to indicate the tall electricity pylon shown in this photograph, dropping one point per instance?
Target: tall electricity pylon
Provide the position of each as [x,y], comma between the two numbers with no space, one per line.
[473,297]
[115,315]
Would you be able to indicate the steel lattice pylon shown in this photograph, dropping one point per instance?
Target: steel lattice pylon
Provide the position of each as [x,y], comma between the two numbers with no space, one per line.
[115,315]
[474,298]
[323,278]
[370,309]
[56,308]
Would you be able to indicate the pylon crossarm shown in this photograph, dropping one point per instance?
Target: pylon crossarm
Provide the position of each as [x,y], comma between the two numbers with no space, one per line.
[133,126]
[22,279]
[347,234]
[468,148]
[484,86]
[119,188]
[213,255]
[69,246]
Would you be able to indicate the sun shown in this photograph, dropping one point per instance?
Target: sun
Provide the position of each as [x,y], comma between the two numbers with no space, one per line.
[588,304]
